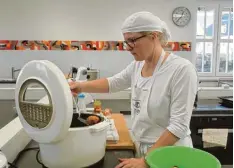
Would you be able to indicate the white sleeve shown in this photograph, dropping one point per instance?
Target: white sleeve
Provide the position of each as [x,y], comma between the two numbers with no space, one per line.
[183,92]
[121,80]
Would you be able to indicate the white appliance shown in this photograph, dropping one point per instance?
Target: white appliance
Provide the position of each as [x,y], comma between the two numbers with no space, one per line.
[63,141]
[83,73]
[3,161]
[92,74]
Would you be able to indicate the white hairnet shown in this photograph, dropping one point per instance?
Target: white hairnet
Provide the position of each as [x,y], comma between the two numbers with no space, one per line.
[145,21]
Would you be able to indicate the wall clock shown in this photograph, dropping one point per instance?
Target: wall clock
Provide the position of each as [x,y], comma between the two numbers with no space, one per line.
[181,16]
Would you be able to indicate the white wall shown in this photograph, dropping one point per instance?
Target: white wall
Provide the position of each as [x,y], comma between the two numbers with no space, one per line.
[81,20]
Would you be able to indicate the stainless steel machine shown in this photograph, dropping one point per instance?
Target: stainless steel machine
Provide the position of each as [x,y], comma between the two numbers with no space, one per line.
[83,73]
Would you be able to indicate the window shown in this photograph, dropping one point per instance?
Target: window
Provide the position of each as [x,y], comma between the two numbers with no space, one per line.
[214,41]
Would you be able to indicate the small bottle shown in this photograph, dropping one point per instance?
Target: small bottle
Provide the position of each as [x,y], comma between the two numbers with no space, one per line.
[81,103]
[97,106]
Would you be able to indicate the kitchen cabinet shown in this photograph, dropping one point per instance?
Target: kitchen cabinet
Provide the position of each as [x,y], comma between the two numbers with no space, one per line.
[214,117]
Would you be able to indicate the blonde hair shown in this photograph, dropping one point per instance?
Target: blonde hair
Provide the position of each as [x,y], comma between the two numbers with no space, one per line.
[161,36]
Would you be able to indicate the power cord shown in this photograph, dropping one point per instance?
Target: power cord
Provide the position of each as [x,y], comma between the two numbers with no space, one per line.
[13,165]
[38,161]
[21,153]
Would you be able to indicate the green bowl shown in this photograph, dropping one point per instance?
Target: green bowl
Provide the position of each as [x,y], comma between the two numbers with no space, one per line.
[182,157]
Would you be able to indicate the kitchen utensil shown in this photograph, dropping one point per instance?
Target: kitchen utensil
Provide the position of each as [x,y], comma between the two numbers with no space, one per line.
[78,112]
[182,157]
[51,122]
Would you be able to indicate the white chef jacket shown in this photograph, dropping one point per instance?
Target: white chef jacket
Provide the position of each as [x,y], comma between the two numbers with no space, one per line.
[171,98]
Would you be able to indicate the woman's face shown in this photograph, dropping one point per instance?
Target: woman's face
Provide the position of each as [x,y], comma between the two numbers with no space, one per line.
[141,46]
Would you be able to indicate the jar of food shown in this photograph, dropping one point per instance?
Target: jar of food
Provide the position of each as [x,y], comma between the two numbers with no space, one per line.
[97,106]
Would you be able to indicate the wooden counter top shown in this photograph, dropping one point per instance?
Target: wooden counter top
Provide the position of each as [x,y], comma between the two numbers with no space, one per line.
[125,141]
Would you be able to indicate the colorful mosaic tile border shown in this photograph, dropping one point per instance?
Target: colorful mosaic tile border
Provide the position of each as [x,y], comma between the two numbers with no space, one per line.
[80,45]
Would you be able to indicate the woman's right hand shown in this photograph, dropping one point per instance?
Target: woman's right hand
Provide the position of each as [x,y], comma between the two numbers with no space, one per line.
[75,88]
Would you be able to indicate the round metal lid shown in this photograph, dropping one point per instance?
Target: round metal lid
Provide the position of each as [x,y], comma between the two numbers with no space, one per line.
[47,119]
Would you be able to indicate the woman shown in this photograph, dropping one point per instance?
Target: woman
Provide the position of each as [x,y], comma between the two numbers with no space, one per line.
[163,87]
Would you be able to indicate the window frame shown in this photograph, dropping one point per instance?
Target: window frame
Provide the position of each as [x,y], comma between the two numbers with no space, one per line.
[217,6]
[219,40]
[214,40]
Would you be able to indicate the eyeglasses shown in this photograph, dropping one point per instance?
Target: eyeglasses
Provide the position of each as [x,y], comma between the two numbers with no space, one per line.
[132,42]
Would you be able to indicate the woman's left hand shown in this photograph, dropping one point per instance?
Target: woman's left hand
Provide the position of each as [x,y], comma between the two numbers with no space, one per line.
[132,163]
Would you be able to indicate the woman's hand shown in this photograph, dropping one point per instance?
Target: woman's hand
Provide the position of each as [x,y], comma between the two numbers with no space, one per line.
[75,88]
[132,163]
